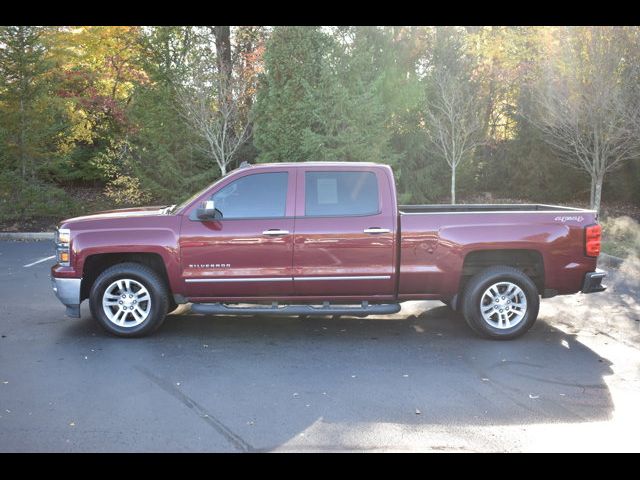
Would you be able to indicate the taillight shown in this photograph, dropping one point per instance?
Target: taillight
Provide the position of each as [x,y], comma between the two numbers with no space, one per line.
[593,236]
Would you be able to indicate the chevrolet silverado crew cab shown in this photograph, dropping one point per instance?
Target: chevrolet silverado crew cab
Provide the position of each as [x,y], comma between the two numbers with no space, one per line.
[322,239]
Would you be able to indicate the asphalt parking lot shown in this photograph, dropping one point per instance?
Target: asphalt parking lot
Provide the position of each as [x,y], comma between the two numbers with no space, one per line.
[416,381]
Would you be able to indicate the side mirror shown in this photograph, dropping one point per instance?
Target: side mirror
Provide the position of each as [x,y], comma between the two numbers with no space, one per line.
[208,211]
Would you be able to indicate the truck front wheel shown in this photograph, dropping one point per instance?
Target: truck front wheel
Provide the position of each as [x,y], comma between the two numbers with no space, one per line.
[500,302]
[129,300]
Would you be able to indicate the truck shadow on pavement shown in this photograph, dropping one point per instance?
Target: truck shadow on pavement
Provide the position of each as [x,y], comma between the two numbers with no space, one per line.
[262,383]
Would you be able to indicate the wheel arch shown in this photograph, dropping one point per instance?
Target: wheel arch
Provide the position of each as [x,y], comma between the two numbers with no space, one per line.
[529,261]
[95,264]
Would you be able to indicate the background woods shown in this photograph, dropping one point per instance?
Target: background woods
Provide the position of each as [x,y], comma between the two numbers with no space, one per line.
[101,117]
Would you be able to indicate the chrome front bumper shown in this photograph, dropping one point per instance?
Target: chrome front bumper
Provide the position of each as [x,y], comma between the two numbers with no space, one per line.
[68,292]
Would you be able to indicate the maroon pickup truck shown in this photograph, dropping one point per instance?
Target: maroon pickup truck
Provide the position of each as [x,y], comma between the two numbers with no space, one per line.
[322,239]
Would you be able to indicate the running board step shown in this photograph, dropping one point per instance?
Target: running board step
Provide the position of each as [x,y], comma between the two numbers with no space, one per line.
[326,309]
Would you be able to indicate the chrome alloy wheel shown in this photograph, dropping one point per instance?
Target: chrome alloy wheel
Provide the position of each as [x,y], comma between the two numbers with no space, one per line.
[503,305]
[126,303]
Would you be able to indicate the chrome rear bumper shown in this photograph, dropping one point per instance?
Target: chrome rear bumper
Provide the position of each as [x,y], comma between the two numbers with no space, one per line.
[593,282]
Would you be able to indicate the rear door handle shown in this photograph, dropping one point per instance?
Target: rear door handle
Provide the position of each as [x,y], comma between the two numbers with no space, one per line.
[376,230]
[275,232]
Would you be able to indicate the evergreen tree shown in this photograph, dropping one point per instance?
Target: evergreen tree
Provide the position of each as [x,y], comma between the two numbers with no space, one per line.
[26,117]
[294,60]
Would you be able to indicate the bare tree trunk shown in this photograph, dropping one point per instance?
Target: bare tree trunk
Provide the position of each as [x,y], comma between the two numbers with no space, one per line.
[222,34]
[23,89]
[597,194]
[453,185]
[23,157]
[223,57]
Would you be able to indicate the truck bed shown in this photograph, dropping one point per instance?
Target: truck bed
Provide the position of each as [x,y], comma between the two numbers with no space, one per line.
[438,239]
[528,207]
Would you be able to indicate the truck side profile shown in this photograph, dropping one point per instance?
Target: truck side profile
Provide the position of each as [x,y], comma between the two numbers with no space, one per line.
[322,239]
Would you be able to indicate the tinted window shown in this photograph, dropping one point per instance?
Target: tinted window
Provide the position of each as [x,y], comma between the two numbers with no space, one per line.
[341,193]
[258,195]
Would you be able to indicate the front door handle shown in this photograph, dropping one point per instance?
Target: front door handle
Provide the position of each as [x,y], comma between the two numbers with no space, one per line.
[376,230]
[275,232]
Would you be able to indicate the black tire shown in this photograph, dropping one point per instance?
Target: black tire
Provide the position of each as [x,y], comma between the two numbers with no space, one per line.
[151,280]
[476,287]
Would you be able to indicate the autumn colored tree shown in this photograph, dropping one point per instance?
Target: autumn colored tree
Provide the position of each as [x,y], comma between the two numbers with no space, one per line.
[130,114]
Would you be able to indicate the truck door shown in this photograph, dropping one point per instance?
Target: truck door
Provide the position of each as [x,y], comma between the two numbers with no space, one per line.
[248,252]
[344,233]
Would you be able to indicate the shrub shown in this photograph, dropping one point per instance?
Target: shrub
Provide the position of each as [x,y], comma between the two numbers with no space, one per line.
[22,199]
[125,190]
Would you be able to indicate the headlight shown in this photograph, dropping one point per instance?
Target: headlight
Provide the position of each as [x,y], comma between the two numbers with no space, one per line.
[63,241]
[64,236]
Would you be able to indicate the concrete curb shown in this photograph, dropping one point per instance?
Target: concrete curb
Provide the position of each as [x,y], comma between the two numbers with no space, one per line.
[610,260]
[27,236]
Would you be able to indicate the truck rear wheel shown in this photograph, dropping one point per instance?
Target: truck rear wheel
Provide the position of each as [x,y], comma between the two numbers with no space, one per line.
[129,300]
[501,303]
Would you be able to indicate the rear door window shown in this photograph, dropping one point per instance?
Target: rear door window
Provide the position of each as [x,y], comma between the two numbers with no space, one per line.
[341,193]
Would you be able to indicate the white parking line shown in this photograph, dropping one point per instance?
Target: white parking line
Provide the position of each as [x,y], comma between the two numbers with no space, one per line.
[39,261]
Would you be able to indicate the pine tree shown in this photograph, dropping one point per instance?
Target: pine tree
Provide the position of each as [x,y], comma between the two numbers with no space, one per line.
[321,100]
[293,60]
[23,65]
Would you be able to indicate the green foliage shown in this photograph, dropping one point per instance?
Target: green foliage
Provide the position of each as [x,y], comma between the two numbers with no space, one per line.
[22,199]
[321,100]
[97,109]
[620,236]
[294,63]
[164,153]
